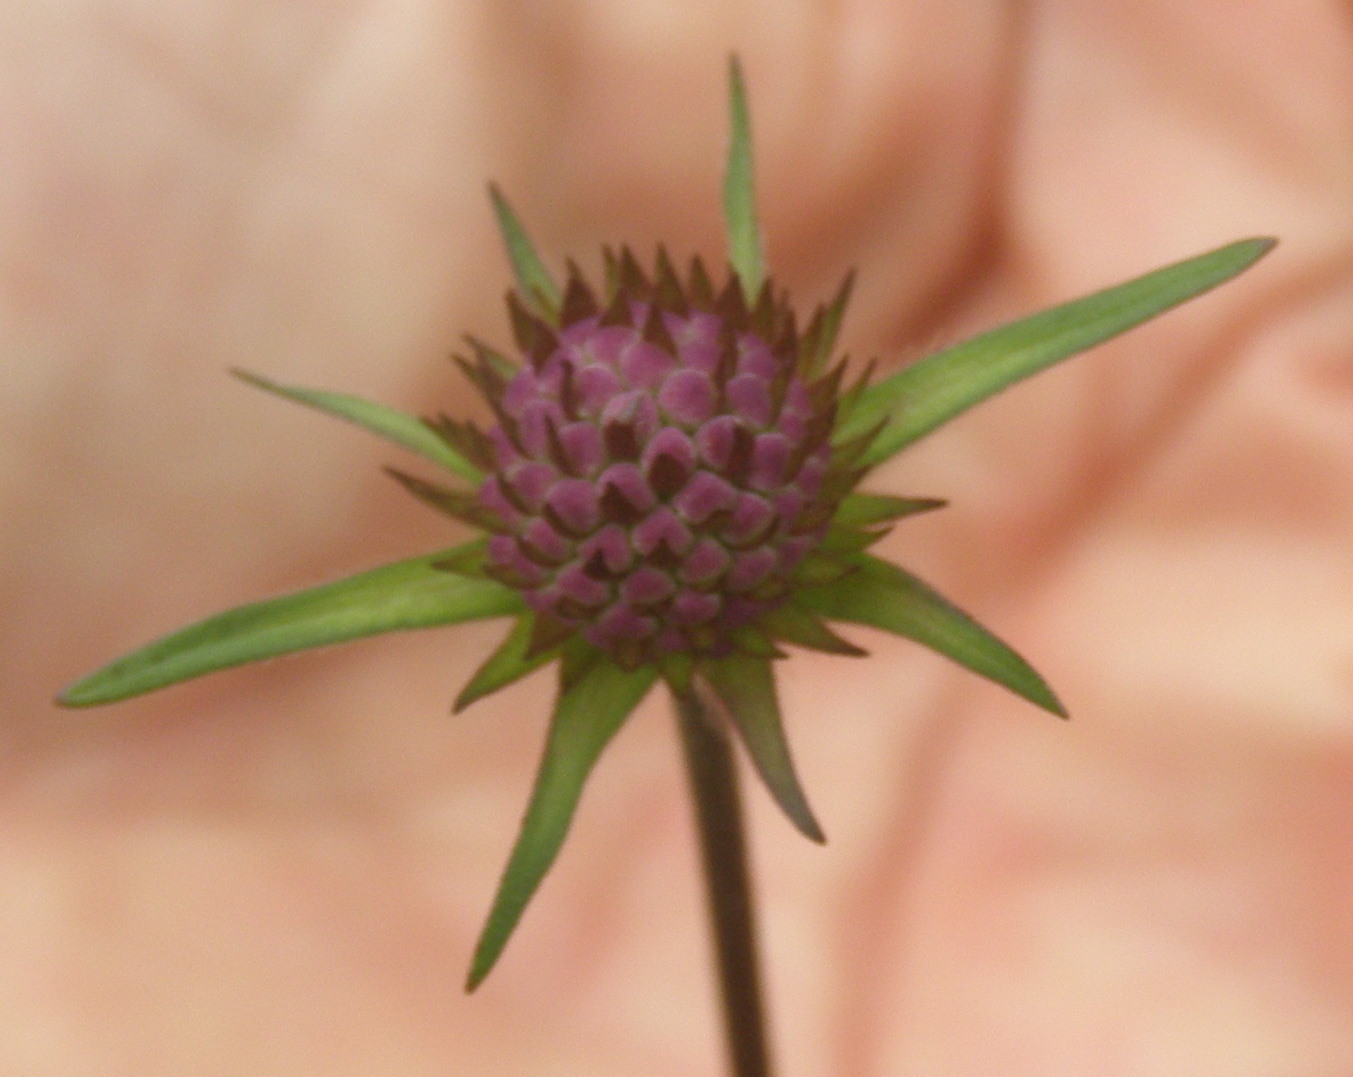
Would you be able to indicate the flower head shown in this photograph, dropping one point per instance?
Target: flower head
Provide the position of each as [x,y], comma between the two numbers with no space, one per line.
[661,465]
[668,491]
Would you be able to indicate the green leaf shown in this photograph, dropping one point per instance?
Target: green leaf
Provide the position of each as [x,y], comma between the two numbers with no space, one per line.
[739,195]
[888,597]
[935,389]
[746,687]
[585,718]
[534,282]
[397,426]
[507,664]
[406,594]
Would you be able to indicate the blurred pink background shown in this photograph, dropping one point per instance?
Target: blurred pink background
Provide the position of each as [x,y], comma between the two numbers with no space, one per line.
[282,869]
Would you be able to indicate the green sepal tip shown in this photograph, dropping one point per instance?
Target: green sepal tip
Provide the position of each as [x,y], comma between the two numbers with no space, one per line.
[491,357]
[818,345]
[509,663]
[863,510]
[790,624]
[586,717]
[848,540]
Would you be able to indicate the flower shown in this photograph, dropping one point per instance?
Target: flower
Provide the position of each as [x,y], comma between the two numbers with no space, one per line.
[661,467]
[669,493]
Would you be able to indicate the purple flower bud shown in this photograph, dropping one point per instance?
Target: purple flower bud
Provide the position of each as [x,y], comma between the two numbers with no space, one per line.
[661,464]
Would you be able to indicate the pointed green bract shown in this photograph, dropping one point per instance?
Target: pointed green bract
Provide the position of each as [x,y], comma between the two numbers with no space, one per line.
[861,510]
[932,391]
[881,594]
[576,657]
[739,194]
[819,340]
[534,283]
[746,687]
[403,595]
[397,426]
[751,639]
[463,506]
[493,358]
[585,718]
[790,624]
[505,665]
[848,540]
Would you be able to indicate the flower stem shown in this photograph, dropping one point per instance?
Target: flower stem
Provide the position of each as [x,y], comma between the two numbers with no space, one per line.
[718,810]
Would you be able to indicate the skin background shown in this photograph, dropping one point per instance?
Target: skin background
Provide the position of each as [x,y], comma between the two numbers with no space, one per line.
[282,870]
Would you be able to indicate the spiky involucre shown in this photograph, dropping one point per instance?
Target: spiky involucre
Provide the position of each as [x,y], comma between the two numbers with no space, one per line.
[661,465]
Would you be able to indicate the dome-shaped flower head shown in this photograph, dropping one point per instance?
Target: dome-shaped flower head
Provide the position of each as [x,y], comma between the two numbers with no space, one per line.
[669,490]
[661,467]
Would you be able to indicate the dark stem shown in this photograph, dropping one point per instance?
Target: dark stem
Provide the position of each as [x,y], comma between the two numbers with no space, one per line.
[723,847]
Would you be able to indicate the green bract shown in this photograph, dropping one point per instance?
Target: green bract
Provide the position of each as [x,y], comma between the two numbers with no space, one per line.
[803,566]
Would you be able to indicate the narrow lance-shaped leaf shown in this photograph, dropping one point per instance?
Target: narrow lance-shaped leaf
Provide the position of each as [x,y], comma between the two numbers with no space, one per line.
[534,282]
[746,687]
[406,594]
[397,426]
[739,195]
[585,718]
[881,594]
[935,389]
